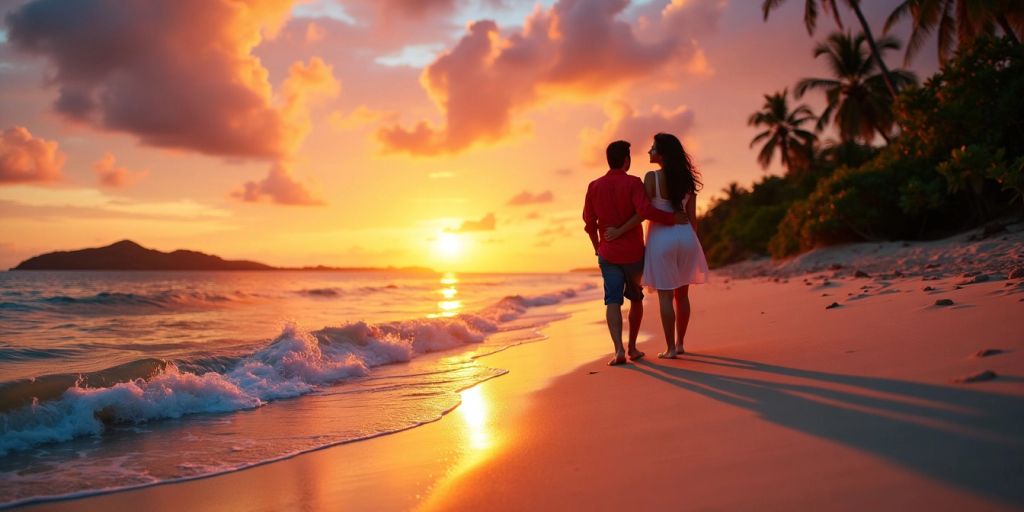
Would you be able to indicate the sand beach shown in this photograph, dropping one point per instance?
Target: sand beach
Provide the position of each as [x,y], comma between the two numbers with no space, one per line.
[887,401]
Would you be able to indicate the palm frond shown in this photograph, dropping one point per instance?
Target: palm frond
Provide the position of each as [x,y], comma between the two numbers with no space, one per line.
[830,5]
[761,136]
[947,27]
[849,118]
[826,116]
[807,84]
[926,15]
[887,43]
[810,15]
[770,5]
[896,15]
[765,156]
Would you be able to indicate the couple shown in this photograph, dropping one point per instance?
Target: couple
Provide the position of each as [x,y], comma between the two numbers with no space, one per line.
[615,206]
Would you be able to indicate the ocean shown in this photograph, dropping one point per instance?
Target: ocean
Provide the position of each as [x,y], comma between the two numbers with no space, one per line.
[115,380]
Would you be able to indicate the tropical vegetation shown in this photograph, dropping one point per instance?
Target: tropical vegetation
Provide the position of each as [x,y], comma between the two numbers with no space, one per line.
[953,153]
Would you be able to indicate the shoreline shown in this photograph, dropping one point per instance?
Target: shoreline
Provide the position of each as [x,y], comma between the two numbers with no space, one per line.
[774,377]
[455,439]
[791,419]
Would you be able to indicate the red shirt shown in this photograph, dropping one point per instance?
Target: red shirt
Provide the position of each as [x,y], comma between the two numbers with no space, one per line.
[611,200]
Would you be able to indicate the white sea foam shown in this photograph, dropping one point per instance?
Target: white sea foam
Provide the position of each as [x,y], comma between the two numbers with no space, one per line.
[296,362]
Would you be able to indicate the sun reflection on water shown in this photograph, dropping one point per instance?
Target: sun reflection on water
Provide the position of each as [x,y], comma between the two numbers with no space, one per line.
[448,306]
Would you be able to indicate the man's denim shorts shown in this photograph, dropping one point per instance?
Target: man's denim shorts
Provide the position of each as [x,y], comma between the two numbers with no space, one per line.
[621,280]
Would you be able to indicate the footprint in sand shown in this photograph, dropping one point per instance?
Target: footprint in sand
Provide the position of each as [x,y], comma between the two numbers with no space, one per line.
[975,377]
[985,352]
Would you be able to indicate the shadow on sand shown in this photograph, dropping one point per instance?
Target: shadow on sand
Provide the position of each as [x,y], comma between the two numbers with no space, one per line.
[968,438]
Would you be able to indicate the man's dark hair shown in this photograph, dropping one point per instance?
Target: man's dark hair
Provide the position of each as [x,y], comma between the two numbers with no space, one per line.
[617,152]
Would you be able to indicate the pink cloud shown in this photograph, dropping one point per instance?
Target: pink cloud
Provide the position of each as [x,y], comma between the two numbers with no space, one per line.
[526,198]
[638,129]
[278,187]
[577,48]
[28,159]
[413,8]
[175,74]
[110,175]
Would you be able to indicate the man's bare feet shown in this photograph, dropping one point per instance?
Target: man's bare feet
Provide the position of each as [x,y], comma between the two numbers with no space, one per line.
[668,354]
[635,354]
[679,349]
[620,358]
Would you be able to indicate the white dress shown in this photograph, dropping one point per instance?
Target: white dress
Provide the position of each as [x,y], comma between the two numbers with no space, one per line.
[673,257]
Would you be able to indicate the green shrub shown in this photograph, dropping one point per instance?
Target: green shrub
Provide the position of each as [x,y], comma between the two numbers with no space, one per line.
[958,162]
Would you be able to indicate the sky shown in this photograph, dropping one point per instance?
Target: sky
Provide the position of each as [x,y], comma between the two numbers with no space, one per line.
[453,134]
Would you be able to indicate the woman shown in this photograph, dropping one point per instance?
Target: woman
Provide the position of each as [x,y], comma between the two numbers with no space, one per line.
[674,258]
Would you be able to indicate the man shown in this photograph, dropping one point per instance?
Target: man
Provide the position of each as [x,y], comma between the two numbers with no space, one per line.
[611,200]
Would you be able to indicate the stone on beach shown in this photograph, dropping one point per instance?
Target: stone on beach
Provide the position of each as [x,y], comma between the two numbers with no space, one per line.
[944,302]
[974,279]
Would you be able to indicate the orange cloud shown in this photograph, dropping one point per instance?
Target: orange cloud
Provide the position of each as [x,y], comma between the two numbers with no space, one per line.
[278,187]
[175,74]
[638,129]
[28,159]
[314,33]
[306,83]
[358,117]
[110,175]
[576,47]
[525,198]
[488,223]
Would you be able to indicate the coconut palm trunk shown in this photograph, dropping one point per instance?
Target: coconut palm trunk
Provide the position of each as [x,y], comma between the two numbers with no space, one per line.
[855,5]
[810,19]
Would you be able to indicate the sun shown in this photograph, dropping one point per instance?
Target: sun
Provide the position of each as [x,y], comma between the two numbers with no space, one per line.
[448,246]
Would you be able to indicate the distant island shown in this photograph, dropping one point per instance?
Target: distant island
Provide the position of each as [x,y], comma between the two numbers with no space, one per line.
[128,255]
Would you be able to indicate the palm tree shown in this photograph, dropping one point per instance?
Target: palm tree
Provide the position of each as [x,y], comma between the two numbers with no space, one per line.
[783,132]
[963,19]
[733,190]
[857,95]
[833,153]
[811,19]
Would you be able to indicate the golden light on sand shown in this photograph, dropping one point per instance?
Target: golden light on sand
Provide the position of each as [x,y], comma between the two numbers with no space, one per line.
[474,412]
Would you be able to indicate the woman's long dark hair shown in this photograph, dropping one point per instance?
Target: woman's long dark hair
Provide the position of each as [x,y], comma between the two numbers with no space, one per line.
[681,176]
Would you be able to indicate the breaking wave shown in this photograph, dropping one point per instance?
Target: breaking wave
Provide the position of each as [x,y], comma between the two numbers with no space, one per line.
[58,408]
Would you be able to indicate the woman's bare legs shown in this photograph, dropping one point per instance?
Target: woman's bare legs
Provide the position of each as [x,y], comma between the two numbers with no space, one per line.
[668,321]
[682,318]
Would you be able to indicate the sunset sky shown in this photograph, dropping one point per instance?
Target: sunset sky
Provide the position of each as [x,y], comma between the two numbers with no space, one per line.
[453,134]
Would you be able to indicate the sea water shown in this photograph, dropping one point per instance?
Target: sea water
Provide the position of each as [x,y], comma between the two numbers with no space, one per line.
[113,380]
